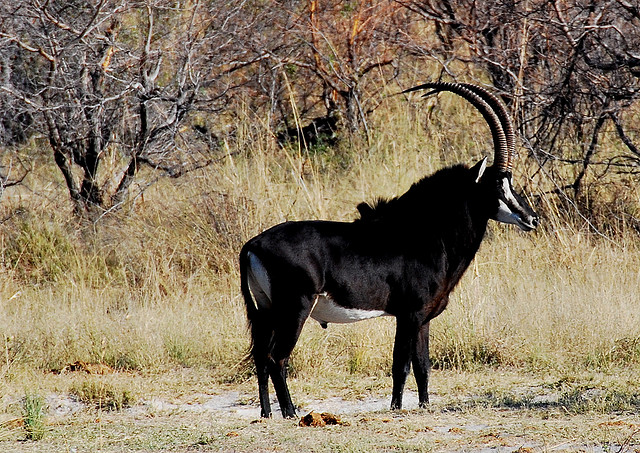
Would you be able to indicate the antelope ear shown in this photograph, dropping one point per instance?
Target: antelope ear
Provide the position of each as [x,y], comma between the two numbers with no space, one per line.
[478,169]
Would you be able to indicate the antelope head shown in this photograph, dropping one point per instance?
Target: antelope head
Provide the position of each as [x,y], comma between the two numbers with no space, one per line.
[504,203]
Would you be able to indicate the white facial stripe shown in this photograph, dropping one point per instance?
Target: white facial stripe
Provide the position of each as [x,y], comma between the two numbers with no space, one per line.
[512,209]
[508,194]
[505,215]
[326,310]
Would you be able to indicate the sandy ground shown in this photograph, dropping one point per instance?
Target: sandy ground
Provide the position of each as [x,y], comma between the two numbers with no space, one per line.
[227,419]
[224,422]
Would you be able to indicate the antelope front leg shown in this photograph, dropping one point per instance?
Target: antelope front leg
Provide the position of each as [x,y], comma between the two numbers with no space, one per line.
[422,364]
[402,353]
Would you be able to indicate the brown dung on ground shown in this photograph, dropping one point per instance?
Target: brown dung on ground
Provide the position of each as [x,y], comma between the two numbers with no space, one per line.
[323,419]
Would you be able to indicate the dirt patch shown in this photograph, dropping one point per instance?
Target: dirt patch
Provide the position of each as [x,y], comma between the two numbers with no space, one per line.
[520,414]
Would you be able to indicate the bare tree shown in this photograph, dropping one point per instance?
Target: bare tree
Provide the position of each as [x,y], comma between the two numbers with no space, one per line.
[331,58]
[113,85]
[13,171]
[570,70]
[110,84]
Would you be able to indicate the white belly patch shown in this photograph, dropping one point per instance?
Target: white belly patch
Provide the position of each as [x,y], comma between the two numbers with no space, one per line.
[325,310]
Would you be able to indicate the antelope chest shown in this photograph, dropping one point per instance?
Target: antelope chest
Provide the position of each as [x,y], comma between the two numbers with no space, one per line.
[326,310]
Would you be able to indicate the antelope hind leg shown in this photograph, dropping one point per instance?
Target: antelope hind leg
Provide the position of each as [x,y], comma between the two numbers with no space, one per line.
[285,338]
[262,336]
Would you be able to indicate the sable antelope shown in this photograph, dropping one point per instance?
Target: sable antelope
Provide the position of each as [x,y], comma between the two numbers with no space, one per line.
[401,258]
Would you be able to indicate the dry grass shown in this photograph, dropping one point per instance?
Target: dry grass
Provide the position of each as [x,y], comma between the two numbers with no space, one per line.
[156,286]
[154,289]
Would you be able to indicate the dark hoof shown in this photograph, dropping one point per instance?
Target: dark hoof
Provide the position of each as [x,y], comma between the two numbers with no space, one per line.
[289,414]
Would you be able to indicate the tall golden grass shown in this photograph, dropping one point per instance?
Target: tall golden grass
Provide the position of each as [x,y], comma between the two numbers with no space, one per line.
[155,285]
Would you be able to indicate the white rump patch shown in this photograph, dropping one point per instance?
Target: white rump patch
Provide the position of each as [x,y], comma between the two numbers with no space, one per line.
[259,282]
[326,310]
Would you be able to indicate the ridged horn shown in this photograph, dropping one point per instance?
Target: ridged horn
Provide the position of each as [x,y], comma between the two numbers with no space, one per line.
[487,107]
[505,119]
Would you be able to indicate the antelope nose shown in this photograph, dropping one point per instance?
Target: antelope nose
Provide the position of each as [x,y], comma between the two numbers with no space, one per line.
[535,221]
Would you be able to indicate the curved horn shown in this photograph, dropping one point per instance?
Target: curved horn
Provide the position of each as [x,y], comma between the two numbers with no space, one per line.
[500,143]
[505,119]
